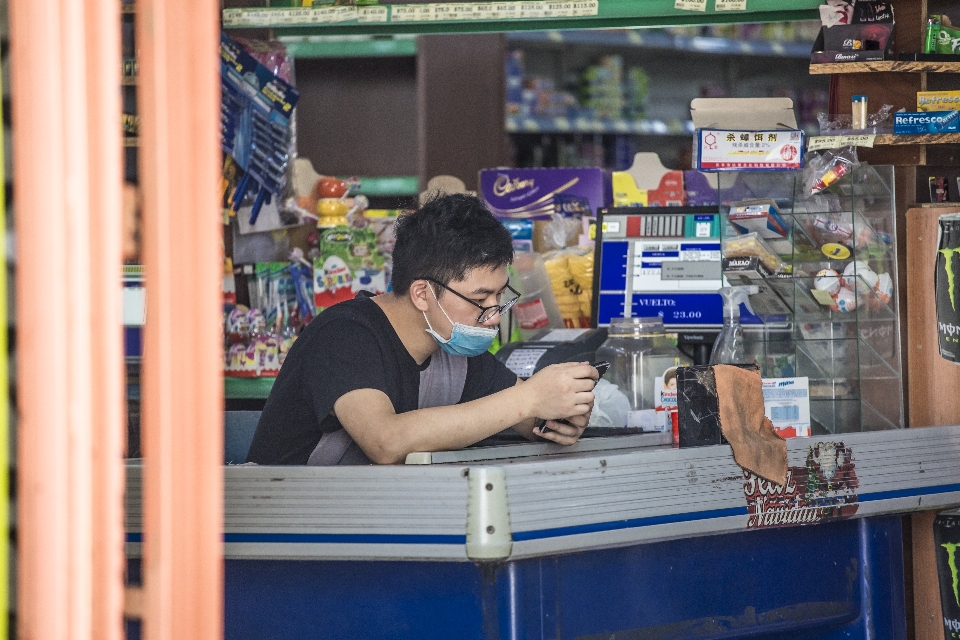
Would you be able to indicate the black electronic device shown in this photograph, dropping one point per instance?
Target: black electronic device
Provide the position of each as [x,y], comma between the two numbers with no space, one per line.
[601,367]
[552,346]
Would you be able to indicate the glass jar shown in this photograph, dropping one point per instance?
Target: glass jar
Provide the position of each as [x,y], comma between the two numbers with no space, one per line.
[640,354]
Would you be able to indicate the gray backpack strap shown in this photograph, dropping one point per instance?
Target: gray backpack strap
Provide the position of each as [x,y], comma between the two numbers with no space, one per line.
[441,383]
[337,448]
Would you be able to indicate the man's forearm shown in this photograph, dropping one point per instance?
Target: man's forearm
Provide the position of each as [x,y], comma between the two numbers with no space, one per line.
[434,429]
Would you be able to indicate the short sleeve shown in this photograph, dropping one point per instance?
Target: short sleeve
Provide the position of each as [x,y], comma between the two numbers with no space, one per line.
[485,376]
[343,357]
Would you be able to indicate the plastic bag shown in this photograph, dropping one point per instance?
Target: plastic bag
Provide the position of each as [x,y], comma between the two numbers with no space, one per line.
[825,170]
[571,278]
[842,123]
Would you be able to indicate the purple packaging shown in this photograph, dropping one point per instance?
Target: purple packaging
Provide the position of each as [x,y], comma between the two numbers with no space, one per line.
[538,193]
[700,193]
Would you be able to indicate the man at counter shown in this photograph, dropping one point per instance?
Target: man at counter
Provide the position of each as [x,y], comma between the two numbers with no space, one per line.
[377,377]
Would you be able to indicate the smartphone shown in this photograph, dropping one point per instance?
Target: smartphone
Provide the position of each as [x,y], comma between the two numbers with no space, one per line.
[601,367]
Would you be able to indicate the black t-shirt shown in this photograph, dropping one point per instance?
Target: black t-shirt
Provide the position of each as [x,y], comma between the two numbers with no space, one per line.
[349,346]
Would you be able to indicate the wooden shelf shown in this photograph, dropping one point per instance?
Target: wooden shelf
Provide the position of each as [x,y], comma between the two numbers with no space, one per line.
[886,66]
[928,138]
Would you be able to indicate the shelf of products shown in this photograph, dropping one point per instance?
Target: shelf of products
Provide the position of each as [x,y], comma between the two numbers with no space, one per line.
[885,66]
[833,272]
[661,40]
[350,46]
[517,15]
[521,124]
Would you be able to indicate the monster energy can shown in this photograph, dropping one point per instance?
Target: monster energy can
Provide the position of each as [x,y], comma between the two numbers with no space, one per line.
[946,538]
[947,285]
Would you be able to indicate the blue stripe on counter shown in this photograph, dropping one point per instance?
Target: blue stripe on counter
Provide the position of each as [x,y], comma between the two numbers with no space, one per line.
[909,493]
[519,536]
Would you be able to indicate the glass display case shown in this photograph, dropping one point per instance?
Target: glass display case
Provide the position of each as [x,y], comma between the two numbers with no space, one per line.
[826,266]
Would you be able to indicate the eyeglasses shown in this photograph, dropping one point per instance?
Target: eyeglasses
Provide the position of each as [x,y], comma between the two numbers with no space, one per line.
[485,312]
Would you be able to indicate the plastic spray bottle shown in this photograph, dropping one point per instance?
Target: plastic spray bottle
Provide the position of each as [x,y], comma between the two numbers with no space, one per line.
[729,348]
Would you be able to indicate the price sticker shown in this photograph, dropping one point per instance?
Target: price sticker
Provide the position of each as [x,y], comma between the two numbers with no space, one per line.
[823,142]
[372,14]
[690,5]
[586,8]
[731,5]
[835,142]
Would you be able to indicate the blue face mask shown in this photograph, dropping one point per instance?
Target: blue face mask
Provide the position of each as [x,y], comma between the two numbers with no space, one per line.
[465,340]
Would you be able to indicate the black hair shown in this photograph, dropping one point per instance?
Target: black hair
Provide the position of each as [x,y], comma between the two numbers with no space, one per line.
[445,238]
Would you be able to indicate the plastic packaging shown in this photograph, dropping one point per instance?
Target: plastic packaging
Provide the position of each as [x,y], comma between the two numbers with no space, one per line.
[824,171]
[752,245]
[729,347]
[573,298]
[640,353]
[537,307]
[859,112]
[879,122]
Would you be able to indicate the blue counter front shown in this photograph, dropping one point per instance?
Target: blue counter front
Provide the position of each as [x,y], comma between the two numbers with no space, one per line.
[621,545]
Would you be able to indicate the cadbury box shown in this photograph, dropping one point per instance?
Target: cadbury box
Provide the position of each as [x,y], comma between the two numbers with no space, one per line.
[535,195]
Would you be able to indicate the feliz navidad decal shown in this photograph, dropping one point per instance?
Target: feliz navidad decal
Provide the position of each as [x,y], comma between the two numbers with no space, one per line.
[825,488]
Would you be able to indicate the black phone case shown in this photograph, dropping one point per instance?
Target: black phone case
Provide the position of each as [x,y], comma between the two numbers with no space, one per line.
[698,408]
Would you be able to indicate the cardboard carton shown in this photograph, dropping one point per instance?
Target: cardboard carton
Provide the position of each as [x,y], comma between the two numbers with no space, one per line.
[746,134]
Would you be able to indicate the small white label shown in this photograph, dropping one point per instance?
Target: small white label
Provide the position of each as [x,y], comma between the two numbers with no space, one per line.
[611,227]
[412,12]
[731,5]
[523,362]
[690,5]
[563,335]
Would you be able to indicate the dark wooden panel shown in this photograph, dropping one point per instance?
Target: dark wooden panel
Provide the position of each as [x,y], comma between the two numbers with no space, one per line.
[933,399]
[357,116]
[461,89]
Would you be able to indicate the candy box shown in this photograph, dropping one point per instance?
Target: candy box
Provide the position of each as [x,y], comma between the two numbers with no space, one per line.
[349,262]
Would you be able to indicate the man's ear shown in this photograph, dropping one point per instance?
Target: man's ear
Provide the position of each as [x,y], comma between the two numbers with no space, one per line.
[420,294]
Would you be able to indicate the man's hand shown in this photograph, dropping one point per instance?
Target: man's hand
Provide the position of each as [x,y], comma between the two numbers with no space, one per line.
[563,392]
